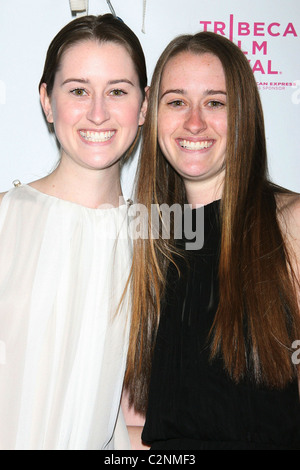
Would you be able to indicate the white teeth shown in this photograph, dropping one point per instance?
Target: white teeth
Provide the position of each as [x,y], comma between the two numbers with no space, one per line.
[187,144]
[93,136]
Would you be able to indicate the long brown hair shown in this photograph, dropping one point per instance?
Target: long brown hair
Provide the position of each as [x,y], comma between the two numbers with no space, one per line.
[257,288]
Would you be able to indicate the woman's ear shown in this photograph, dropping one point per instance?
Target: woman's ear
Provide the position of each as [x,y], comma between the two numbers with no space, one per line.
[144,107]
[46,102]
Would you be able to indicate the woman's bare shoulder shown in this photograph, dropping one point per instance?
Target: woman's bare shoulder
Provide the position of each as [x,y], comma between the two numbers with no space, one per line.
[288,207]
[289,218]
[2,196]
[288,201]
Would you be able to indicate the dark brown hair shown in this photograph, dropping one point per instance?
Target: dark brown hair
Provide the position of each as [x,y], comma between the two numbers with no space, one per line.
[102,28]
[257,286]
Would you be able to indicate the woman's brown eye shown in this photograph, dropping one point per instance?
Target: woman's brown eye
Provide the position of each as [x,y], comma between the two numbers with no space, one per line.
[118,92]
[176,103]
[78,92]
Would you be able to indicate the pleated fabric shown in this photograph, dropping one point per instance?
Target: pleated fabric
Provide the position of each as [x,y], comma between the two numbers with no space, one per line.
[63,268]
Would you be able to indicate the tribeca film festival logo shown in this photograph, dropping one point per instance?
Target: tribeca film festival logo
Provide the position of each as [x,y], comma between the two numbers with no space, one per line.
[258,52]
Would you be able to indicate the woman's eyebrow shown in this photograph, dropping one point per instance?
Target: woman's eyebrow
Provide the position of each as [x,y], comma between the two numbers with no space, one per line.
[176,91]
[79,80]
[215,92]
[86,81]
[120,80]
[181,91]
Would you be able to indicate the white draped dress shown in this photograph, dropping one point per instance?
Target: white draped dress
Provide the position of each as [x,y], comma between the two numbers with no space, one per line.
[63,268]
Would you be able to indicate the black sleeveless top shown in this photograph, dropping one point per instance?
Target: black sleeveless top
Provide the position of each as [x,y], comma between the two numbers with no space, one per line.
[193,403]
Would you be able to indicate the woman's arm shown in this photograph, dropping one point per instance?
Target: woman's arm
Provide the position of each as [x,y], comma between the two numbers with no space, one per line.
[135,433]
[289,219]
[135,423]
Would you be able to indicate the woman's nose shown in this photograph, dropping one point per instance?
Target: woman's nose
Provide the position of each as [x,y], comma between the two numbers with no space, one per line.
[98,111]
[195,121]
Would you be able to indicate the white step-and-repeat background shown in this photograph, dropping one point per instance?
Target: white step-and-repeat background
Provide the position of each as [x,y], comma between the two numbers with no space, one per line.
[267,31]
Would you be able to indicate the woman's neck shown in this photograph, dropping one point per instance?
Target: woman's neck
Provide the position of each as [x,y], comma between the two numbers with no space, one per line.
[202,193]
[89,188]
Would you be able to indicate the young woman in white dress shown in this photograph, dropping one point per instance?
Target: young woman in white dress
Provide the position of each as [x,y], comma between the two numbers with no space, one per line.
[65,252]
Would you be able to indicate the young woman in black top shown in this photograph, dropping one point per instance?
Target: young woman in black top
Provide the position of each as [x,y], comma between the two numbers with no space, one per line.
[224,319]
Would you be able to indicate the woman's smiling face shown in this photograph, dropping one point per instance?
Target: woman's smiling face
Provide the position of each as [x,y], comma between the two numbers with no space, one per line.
[192,117]
[96,103]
